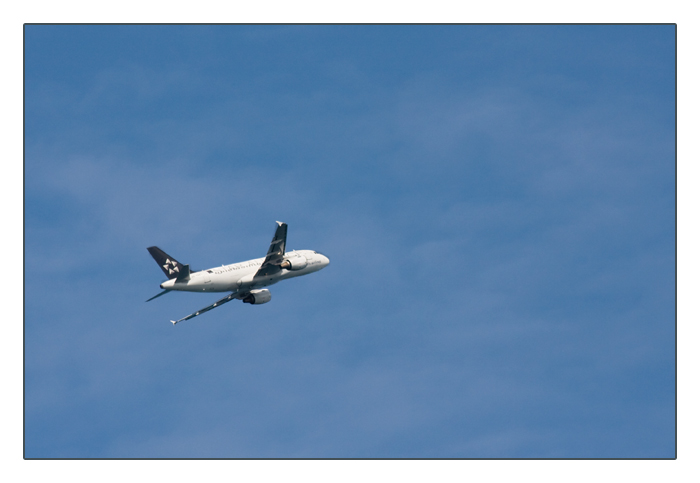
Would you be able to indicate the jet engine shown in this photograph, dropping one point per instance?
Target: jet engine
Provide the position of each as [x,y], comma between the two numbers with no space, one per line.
[296,263]
[257,297]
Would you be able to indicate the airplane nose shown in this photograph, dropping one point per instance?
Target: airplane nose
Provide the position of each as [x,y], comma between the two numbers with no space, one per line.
[326,261]
[161,285]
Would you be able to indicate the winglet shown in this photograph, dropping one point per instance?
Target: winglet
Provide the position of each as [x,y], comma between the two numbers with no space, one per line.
[174,322]
[280,223]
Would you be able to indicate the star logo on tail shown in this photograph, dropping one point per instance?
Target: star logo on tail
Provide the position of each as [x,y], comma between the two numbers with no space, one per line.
[171,266]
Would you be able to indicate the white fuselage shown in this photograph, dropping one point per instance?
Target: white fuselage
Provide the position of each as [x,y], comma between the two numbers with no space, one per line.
[241,276]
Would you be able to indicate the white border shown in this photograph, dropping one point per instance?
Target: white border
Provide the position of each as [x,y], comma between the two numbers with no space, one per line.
[15,14]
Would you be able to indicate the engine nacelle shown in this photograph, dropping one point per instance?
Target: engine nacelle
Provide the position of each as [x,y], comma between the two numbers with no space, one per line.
[257,297]
[296,263]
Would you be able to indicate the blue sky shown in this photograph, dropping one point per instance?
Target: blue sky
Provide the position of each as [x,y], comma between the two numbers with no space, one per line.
[497,203]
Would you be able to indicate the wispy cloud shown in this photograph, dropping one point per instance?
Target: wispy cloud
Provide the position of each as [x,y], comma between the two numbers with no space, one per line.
[501,278]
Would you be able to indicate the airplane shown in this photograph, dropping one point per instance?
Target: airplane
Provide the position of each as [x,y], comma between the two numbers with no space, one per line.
[245,279]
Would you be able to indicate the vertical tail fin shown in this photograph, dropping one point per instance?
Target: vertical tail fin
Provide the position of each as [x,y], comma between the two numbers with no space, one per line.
[171,267]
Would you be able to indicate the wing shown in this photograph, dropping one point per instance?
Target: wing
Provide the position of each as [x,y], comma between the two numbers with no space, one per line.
[228,298]
[275,254]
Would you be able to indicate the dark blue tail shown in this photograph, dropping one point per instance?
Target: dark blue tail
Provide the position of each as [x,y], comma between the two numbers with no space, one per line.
[171,267]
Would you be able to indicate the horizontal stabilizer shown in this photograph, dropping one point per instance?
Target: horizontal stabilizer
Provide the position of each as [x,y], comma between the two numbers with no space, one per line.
[156,296]
[184,273]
